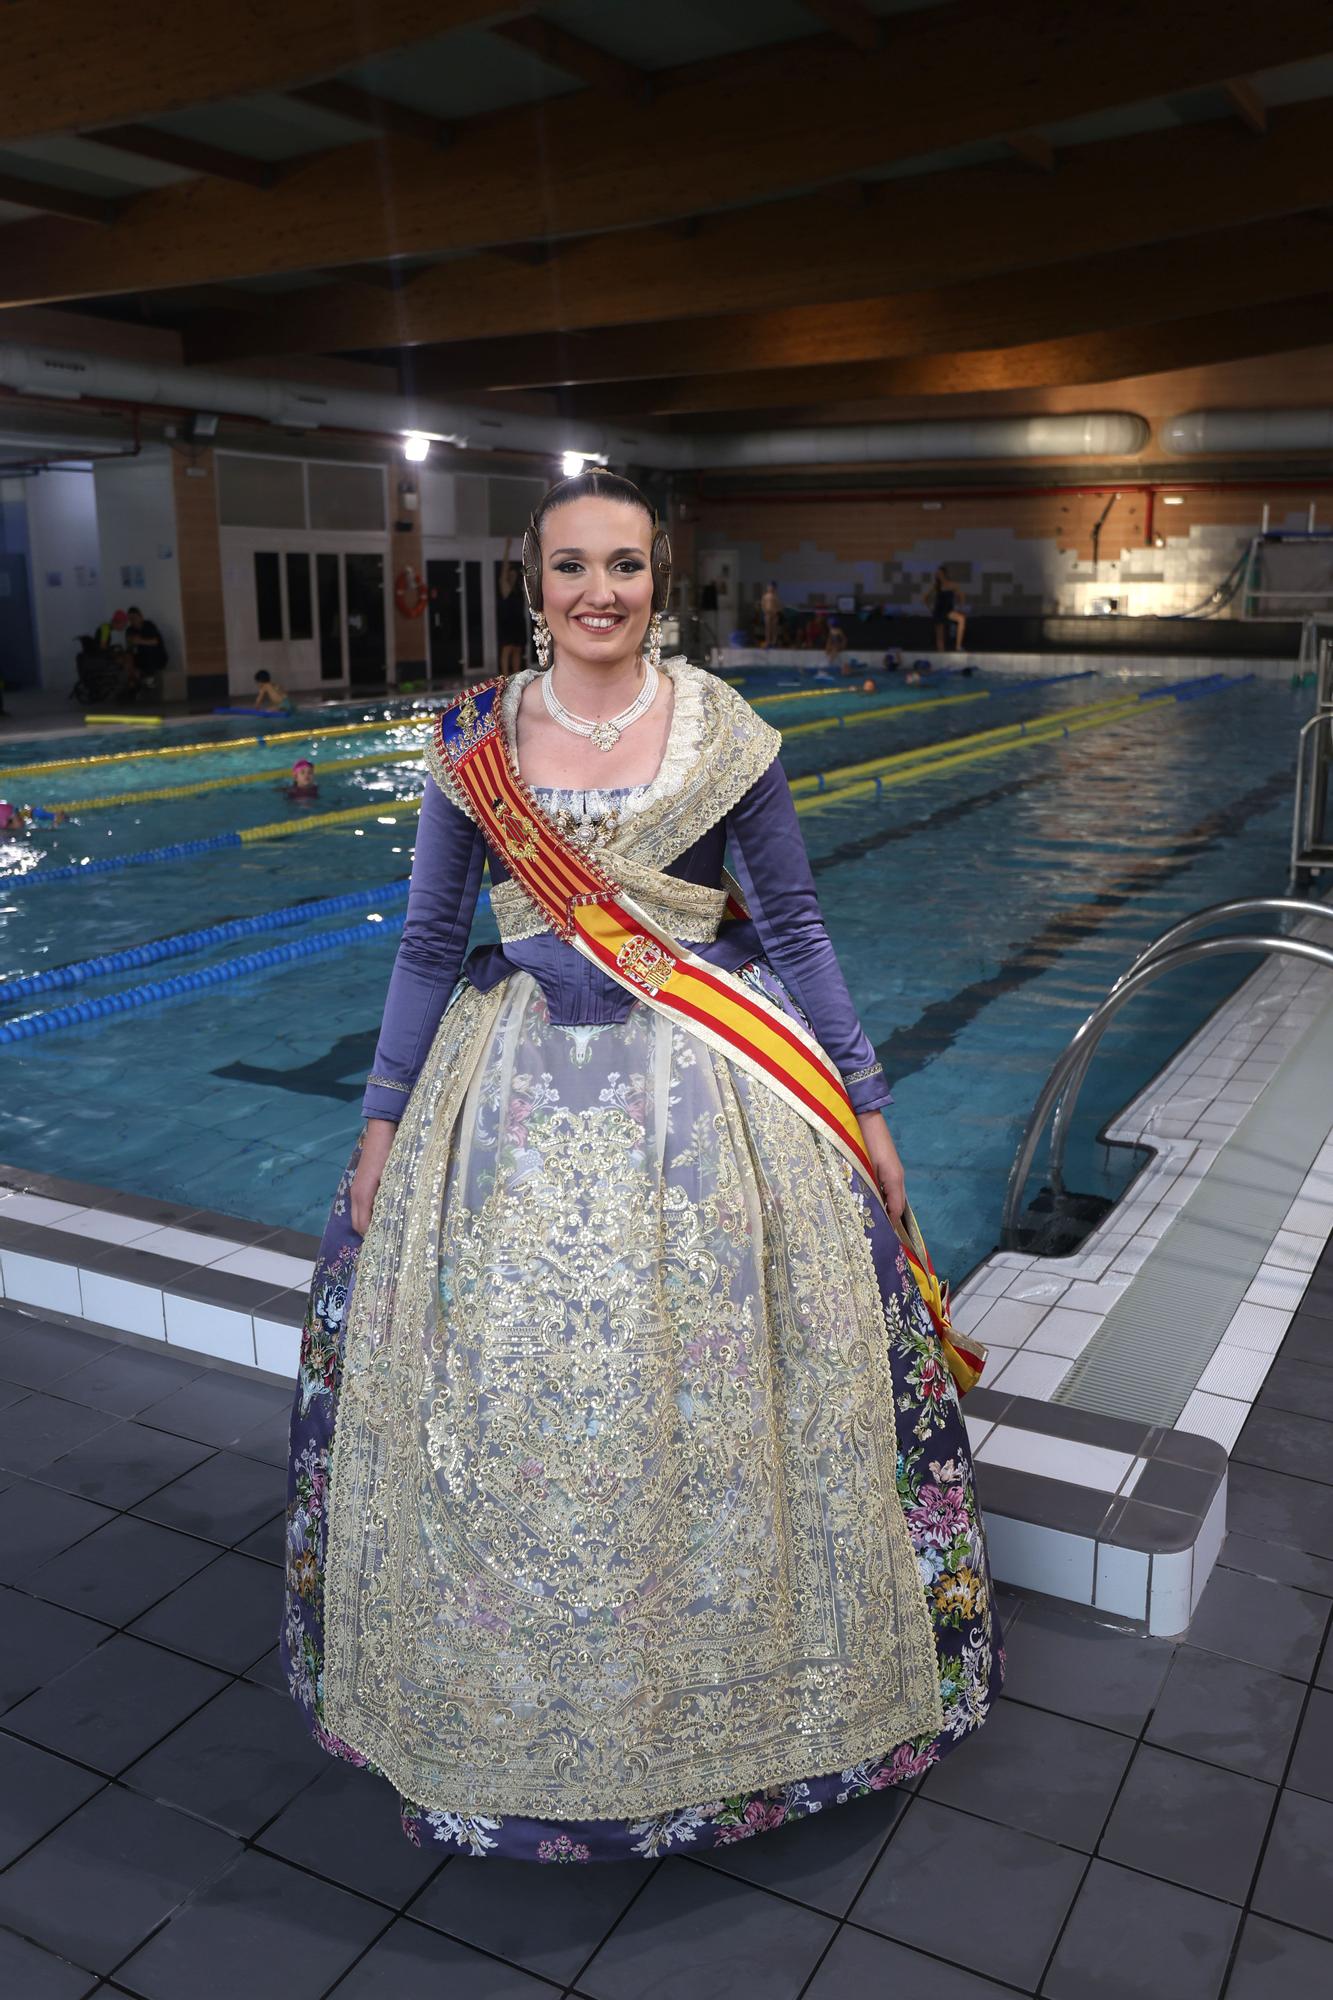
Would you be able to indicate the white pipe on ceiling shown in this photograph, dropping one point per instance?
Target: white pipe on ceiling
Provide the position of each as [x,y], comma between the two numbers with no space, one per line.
[72,376]
[1202,433]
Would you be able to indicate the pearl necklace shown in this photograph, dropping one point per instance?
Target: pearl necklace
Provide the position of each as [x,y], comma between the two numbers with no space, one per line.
[602,735]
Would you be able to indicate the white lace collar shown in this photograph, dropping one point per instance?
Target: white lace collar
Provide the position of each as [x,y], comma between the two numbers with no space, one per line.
[684,735]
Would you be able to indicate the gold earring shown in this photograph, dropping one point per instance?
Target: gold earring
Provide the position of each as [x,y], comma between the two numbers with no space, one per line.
[541,639]
[653,656]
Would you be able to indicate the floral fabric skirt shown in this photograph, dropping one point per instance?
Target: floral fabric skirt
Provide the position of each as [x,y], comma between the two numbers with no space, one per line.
[716,1316]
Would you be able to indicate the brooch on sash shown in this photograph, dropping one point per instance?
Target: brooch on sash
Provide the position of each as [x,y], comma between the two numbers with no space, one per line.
[643,960]
[517,831]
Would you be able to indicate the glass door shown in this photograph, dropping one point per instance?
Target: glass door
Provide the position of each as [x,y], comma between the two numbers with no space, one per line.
[367,649]
[328,577]
[444,619]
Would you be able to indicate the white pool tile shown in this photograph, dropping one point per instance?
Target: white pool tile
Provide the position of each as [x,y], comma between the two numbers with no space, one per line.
[1056,1458]
[1209,1545]
[1131,1260]
[1010,1321]
[1031,1374]
[35,1208]
[1310,1218]
[1045,1559]
[1295,1252]
[1221,1418]
[967,1313]
[1037,1288]
[184,1245]
[1169,1594]
[1064,1331]
[278,1347]
[1132,1477]
[208,1329]
[119,1302]
[978,1428]
[269,1267]
[99,1225]
[1098,1298]
[996,1358]
[1262,1329]
[36,1281]
[1275,1286]
[1235,1371]
[1122,1582]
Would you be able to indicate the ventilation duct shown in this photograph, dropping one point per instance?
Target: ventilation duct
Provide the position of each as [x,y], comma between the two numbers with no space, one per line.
[1204,433]
[72,376]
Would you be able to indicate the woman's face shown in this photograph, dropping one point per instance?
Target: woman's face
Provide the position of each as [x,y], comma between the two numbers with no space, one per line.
[597,582]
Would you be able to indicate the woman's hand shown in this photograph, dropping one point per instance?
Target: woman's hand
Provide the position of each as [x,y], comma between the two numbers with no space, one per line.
[375,1144]
[884,1159]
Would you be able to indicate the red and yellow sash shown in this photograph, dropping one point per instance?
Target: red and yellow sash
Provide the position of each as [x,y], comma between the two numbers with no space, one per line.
[592,913]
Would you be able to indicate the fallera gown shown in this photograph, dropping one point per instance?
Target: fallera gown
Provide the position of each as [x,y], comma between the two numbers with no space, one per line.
[630,1506]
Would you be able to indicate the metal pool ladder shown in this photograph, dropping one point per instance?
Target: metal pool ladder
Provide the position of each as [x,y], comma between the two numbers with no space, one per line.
[1311,850]
[1175,947]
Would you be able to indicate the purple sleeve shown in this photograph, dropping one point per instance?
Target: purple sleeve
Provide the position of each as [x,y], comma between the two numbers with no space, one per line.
[446,876]
[774,871]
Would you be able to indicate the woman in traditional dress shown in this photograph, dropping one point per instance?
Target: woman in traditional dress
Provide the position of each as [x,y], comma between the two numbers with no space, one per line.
[630,1504]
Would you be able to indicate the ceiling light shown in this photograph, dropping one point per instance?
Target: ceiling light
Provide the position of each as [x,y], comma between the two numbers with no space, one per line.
[572,464]
[1173,499]
[416,448]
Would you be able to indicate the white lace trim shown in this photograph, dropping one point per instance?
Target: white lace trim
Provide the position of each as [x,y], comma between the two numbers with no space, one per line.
[679,755]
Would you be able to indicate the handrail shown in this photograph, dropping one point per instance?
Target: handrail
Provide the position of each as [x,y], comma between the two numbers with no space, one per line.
[1169,939]
[1092,1030]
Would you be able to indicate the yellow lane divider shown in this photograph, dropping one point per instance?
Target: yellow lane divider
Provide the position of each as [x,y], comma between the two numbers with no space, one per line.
[893,708]
[274,774]
[202,749]
[838,794]
[280,827]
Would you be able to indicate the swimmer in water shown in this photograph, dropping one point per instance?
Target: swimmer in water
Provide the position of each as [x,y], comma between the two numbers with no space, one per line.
[303,784]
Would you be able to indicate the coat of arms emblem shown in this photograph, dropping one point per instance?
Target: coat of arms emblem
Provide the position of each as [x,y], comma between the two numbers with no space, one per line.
[644,960]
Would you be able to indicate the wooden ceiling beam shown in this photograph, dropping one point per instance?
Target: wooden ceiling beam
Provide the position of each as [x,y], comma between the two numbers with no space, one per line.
[847,18]
[1108,196]
[382,114]
[1176,280]
[557,47]
[64,61]
[67,203]
[741,129]
[147,143]
[1247,104]
[1203,340]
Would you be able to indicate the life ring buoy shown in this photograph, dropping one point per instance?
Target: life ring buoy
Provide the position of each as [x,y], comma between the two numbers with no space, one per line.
[410,593]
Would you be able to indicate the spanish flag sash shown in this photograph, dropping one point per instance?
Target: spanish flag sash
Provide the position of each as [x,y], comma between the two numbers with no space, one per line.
[594,915]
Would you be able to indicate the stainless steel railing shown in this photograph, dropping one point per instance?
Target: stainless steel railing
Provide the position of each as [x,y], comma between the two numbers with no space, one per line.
[1063,1084]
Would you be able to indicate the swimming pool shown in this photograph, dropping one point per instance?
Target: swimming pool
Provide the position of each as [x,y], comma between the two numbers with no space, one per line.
[979,912]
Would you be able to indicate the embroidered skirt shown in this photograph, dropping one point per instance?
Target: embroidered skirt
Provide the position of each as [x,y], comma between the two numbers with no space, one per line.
[630,1505]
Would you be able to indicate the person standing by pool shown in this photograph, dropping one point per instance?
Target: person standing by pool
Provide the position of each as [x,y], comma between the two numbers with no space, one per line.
[771,606]
[630,1505]
[511,626]
[945,612]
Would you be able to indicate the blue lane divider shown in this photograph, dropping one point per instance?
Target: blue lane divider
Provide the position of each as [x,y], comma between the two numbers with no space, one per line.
[67,871]
[194,982]
[184,942]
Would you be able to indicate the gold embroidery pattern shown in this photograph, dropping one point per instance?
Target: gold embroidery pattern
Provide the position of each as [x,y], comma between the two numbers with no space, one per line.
[691,911]
[613,1520]
[517,830]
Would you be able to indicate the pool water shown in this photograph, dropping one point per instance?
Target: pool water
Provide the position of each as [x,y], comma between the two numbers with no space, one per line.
[979,915]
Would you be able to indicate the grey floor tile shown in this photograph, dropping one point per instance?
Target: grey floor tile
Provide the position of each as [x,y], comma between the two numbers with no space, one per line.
[1018,1892]
[1323,1677]
[36,1523]
[1093,1672]
[37,1353]
[1044,1773]
[126,1380]
[106,1877]
[262,1930]
[37,1791]
[269,1543]
[38,1641]
[224,1499]
[119,1570]
[1190,1823]
[1269,1624]
[270,1441]
[1280,1508]
[237,1762]
[12,1392]
[226,1615]
[1296,1881]
[718,1939]
[1277,1963]
[1227,1712]
[42,1428]
[858,1962]
[1286,1440]
[346,1827]
[269,1673]
[1303,1386]
[123,1465]
[1132,1938]
[112,1706]
[217,1409]
[821,1860]
[1278,1562]
[1312,1766]
[548,1920]
[28,1973]
[412,1963]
